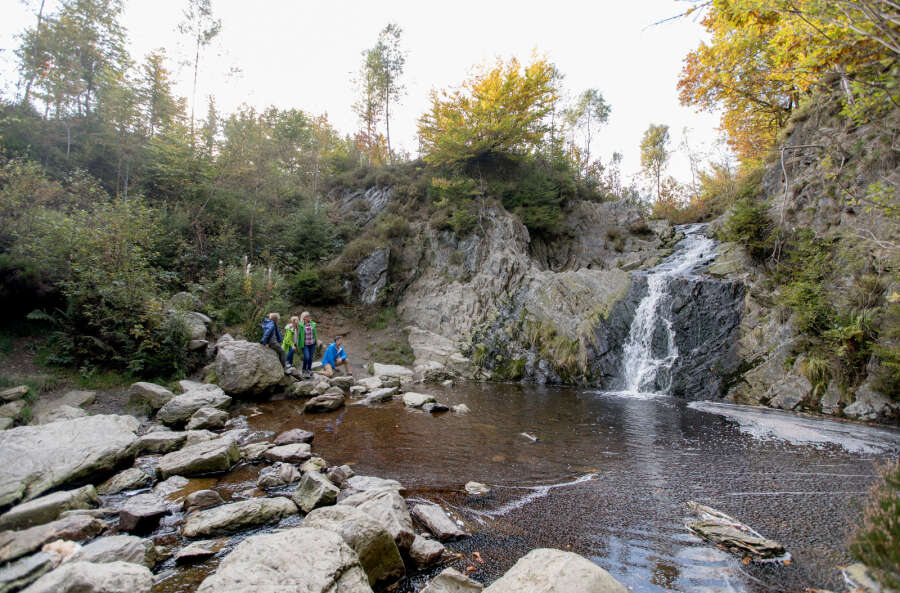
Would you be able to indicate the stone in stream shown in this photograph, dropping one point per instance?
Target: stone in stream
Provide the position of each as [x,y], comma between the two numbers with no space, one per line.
[453,581]
[322,385]
[202,499]
[304,388]
[425,552]
[253,452]
[370,383]
[344,382]
[200,550]
[147,397]
[730,534]
[296,435]
[167,489]
[207,457]
[417,400]
[236,516]
[324,403]
[378,553]
[300,559]
[24,571]
[49,507]
[314,464]
[13,393]
[356,484]
[141,513]
[199,436]
[207,418]
[438,522]
[91,577]
[125,548]
[383,394]
[435,408]
[548,571]
[296,453]
[357,390]
[15,544]
[386,506]
[180,408]
[340,474]
[392,371]
[35,459]
[130,479]
[314,491]
[247,368]
[277,475]
[159,442]
[460,409]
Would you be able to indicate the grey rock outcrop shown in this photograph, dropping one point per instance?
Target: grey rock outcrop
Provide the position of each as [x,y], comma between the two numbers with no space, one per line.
[34,459]
[371,275]
[49,507]
[203,458]
[247,368]
[871,406]
[235,516]
[90,577]
[548,571]
[302,559]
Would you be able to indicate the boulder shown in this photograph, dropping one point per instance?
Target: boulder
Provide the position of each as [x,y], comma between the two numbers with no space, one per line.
[370,383]
[343,382]
[254,452]
[386,506]
[340,474]
[395,371]
[324,403]
[15,544]
[357,390]
[198,551]
[114,548]
[141,513]
[147,397]
[77,398]
[321,387]
[296,453]
[130,479]
[871,406]
[438,523]
[217,455]
[477,489]
[314,464]
[549,571]
[207,419]
[304,388]
[425,552]
[417,400]
[159,442]
[180,408]
[13,393]
[49,507]
[172,489]
[432,372]
[371,275]
[235,516]
[90,577]
[59,412]
[789,392]
[183,301]
[732,535]
[24,571]
[377,551]
[301,559]
[460,409]
[452,581]
[6,423]
[356,484]
[195,437]
[247,368]
[194,323]
[202,499]
[383,394]
[435,408]
[34,459]
[194,345]
[314,491]
[296,435]
[277,475]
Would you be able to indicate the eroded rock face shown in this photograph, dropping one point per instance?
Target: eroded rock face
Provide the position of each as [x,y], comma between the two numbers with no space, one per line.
[235,516]
[247,368]
[548,571]
[34,459]
[371,275]
[871,406]
[90,577]
[302,559]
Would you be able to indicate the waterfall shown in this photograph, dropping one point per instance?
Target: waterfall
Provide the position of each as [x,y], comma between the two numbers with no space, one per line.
[645,368]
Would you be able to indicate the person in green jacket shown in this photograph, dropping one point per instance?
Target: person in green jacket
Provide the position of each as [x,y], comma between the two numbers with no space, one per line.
[307,340]
[290,342]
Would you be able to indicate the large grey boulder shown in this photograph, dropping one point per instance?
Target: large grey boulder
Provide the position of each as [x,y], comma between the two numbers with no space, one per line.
[15,544]
[141,513]
[207,419]
[302,559]
[296,435]
[356,484]
[314,490]
[13,393]
[201,499]
[247,368]
[217,455]
[417,400]
[386,506]
[789,392]
[425,552]
[392,371]
[452,581]
[49,507]
[235,516]
[24,571]
[180,408]
[871,406]
[117,548]
[552,571]
[278,474]
[147,397]
[378,553]
[34,459]
[295,453]
[371,275]
[90,577]
[438,523]
[130,479]
[194,323]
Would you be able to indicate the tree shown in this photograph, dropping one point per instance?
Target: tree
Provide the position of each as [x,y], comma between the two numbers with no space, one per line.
[500,111]
[369,107]
[391,60]
[589,110]
[655,154]
[202,28]
[36,51]
[155,91]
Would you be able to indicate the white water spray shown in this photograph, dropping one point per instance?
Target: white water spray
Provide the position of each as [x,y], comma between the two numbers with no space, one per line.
[641,366]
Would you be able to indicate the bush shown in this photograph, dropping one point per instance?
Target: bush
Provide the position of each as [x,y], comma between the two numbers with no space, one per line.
[316,287]
[876,542]
[242,299]
[749,225]
[887,351]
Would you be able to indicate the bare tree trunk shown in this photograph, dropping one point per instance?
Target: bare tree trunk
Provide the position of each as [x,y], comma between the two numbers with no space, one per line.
[387,125]
[194,92]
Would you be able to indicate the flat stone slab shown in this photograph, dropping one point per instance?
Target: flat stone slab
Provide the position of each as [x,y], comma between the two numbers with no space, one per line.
[296,435]
[180,408]
[19,574]
[15,544]
[236,516]
[49,507]
[438,522]
[34,459]
[732,535]
[91,577]
[117,548]
[159,442]
[208,457]
[129,479]
[417,400]
[198,551]
[295,453]
[141,513]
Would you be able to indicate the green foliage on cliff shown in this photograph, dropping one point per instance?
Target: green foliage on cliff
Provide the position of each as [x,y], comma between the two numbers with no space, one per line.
[876,542]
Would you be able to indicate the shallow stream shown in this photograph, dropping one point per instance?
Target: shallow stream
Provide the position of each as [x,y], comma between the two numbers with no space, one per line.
[608,477]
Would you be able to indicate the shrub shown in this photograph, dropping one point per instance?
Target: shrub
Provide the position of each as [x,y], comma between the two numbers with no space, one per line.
[243,299]
[320,286]
[749,224]
[887,351]
[876,542]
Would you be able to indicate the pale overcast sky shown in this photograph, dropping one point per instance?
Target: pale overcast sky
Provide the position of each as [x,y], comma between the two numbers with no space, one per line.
[301,54]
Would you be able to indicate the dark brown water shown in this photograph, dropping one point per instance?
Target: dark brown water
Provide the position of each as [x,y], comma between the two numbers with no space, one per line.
[607,477]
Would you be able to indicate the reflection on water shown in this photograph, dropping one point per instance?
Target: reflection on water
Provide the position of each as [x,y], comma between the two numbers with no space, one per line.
[607,477]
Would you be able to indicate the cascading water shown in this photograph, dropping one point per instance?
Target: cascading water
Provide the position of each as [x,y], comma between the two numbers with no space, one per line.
[647,359]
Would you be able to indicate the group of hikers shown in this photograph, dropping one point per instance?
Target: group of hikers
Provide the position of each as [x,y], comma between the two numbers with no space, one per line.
[300,336]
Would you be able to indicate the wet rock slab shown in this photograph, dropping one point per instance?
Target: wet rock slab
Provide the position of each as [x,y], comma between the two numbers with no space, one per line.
[438,522]
[734,536]
[235,516]
[90,577]
[207,457]
[124,548]
[48,508]
[15,544]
